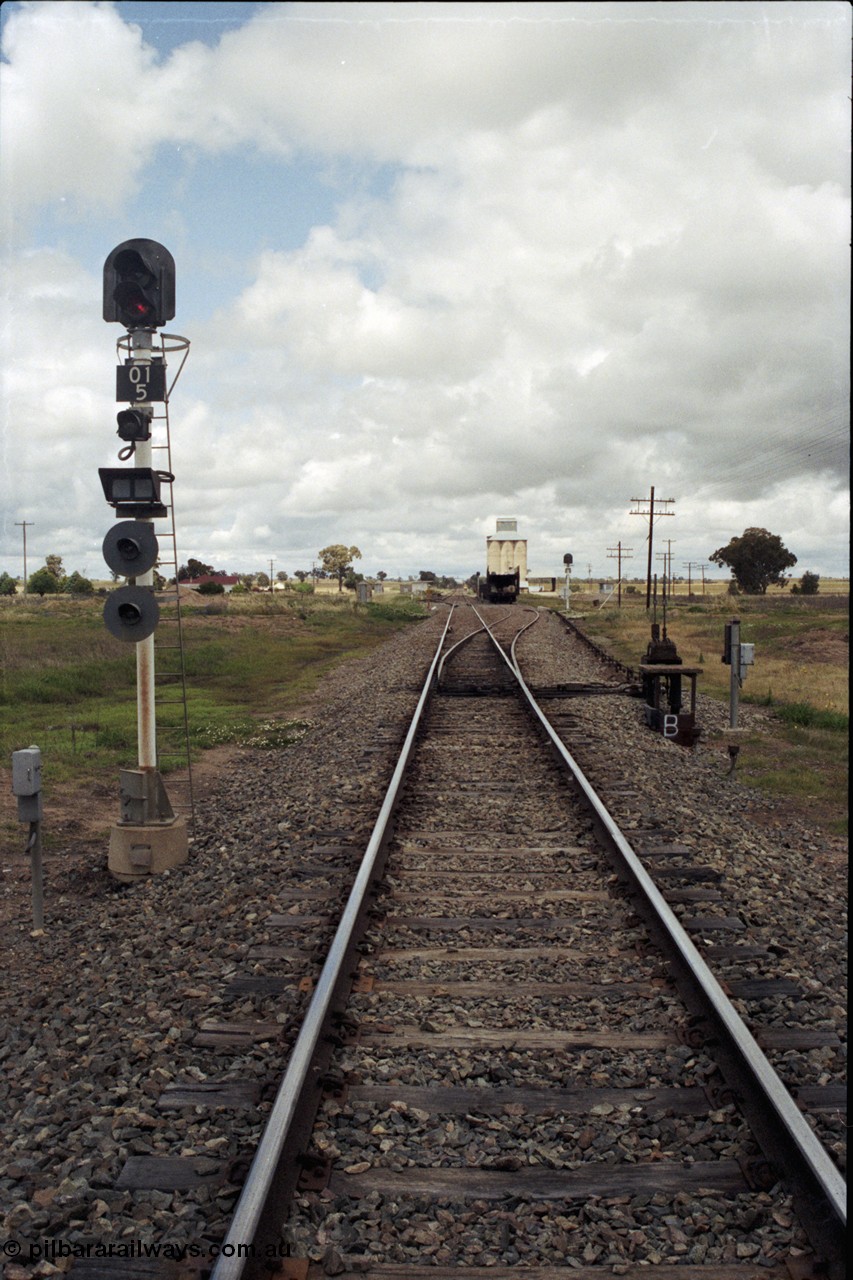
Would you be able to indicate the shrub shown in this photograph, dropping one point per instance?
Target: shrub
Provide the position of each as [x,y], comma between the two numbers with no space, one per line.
[809,585]
[77,585]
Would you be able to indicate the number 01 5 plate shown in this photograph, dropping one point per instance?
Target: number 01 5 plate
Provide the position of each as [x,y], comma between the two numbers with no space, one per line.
[138,382]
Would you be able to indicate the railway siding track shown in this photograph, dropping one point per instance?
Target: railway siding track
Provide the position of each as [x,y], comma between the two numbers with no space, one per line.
[520,1114]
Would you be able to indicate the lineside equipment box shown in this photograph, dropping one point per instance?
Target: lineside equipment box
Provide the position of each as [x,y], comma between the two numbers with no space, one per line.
[26,783]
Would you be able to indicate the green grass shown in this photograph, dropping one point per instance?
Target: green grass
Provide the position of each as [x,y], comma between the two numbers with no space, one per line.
[803,766]
[805,716]
[70,688]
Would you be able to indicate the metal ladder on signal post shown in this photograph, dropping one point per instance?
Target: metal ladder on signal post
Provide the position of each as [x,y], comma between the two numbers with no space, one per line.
[174,758]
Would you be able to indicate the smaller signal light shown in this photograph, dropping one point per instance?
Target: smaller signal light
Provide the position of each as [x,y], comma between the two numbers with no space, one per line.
[135,424]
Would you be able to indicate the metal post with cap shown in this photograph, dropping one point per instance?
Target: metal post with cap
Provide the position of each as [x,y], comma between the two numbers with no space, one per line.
[26,786]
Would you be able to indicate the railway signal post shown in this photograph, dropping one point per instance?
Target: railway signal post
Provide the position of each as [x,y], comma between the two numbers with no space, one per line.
[139,293]
[568,561]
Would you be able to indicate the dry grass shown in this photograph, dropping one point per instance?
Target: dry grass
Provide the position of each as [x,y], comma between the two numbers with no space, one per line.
[801,651]
[800,674]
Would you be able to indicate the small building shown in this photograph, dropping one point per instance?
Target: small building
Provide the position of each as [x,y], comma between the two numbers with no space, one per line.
[505,551]
[227,581]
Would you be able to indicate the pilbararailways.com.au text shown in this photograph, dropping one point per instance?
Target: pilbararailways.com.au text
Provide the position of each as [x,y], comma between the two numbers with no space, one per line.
[49,1250]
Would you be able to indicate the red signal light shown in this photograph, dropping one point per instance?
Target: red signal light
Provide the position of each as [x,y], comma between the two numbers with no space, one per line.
[132,302]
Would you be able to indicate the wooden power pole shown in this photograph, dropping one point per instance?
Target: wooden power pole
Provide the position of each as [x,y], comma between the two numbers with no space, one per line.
[655,509]
[619,553]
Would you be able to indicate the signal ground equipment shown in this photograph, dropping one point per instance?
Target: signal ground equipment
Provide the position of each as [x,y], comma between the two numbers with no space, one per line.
[663,672]
[139,293]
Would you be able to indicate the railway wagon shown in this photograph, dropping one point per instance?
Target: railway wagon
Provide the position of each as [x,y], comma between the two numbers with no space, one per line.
[500,588]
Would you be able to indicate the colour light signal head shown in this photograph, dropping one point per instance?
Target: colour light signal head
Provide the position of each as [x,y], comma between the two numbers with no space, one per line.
[131,614]
[139,285]
[131,548]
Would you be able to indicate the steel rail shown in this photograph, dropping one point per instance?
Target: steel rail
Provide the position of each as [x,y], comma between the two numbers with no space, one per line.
[777,1122]
[253,1223]
[453,648]
[470,636]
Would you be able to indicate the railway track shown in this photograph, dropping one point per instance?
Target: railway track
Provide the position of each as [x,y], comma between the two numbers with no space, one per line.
[496,1071]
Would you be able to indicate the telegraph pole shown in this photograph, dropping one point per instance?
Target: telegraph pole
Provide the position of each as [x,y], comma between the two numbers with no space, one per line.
[690,565]
[666,556]
[25,524]
[619,551]
[651,513]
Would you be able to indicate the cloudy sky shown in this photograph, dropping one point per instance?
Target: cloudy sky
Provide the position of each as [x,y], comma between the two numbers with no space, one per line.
[438,263]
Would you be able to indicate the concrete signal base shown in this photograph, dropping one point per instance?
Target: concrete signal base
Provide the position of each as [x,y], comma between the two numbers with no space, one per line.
[140,851]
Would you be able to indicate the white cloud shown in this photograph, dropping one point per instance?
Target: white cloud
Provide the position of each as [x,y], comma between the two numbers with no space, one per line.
[611,252]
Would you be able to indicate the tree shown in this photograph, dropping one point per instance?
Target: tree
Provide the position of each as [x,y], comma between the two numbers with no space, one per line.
[427,575]
[757,559]
[382,575]
[53,564]
[337,559]
[8,585]
[809,585]
[301,574]
[262,581]
[194,569]
[77,585]
[43,583]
